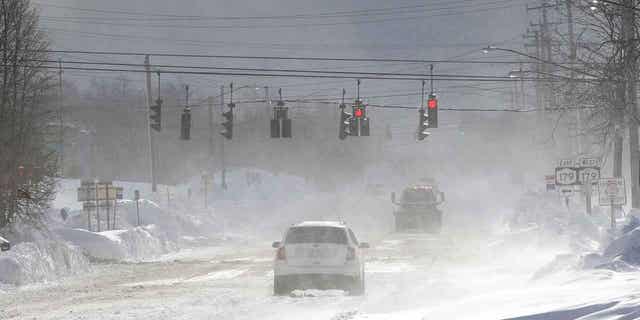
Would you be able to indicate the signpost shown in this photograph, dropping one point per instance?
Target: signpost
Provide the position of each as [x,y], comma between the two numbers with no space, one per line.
[550,181]
[612,192]
[136,195]
[96,195]
[583,172]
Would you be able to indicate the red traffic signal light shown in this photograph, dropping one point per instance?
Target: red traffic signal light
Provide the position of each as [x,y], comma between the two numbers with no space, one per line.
[358,112]
[432,111]
[432,103]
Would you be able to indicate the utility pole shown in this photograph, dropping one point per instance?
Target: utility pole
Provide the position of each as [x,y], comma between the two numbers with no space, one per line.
[152,148]
[211,133]
[168,197]
[534,35]
[205,182]
[573,53]
[573,56]
[631,95]
[97,208]
[61,111]
[108,206]
[545,50]
[223,184]
[522,93]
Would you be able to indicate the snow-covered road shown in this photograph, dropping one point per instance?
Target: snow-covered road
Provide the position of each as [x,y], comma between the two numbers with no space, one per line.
[408,277]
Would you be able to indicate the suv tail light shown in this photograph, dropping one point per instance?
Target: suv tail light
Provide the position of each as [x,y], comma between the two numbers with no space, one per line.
[280,255]
[351,253]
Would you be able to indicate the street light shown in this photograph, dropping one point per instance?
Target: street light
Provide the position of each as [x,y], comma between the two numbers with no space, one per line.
[517,73]
[492,48]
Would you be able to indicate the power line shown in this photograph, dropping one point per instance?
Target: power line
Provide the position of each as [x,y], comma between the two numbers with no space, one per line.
[279,17]
[290,75]
[353,73]
[245,57]
[263,27]
[218,43]
[471,6]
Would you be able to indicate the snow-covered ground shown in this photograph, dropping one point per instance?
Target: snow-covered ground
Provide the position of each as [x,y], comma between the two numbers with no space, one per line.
[190,262]
[408,277]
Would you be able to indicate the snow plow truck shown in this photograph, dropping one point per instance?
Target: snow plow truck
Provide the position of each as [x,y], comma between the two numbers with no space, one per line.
[416,209]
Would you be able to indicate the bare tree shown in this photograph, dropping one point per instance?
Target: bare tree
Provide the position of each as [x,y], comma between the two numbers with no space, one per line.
[27,163]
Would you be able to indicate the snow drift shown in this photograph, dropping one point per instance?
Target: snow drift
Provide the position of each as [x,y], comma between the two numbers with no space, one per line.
[134,244]
[38,255]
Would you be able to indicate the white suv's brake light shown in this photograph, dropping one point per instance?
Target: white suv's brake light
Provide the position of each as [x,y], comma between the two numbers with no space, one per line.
[281,255]
[351,253]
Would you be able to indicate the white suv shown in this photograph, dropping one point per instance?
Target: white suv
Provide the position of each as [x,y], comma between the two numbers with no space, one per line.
[319,255]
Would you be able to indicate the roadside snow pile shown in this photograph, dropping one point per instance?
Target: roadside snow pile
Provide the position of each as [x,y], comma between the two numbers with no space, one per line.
[132,245]
[621,254]
[179,227]
[37,256]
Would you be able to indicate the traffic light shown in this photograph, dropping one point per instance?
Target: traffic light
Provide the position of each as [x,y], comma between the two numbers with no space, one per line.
[345,123]
[185,124]
[358,113]
[423,124]
[227,125]
[432,106]
[155,116]
[281,124]
[275,128]
[360,122]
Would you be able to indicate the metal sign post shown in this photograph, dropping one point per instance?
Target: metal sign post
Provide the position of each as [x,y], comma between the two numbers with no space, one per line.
[612,192]
[613,216]
[137,196]
[97,208]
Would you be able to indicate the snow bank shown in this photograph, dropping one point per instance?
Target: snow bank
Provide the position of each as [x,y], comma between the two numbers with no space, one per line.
[135,244]
[93,244]
[621,254]
[38,255]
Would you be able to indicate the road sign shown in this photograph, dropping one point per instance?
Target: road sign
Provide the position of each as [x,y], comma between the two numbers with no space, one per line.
[566,163]
[577,172]
[588,162]
[612,191]
[550,181]
[566,176]
[99,191]
[588,175]
[565,191]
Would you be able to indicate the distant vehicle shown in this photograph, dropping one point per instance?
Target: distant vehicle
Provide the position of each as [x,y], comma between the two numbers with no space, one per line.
[5,245]
[417,209]
[319,255]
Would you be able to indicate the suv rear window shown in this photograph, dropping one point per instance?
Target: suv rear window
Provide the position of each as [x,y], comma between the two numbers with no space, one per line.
[316,235]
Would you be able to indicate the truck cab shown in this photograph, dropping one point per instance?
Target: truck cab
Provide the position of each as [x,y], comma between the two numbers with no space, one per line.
[417,209]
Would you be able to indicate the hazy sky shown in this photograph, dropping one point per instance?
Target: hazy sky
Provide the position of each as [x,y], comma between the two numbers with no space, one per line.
[358,28]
